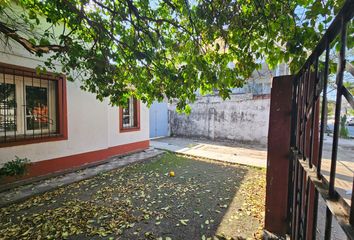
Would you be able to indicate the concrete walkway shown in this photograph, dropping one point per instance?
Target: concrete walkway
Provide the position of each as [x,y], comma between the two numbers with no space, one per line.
[23,192]
[251,155]
[344,168]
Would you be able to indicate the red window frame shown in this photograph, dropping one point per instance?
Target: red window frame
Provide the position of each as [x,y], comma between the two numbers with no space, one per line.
[61,103]
[136,118]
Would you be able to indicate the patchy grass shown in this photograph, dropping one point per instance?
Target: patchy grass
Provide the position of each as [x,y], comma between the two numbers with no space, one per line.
[204,200]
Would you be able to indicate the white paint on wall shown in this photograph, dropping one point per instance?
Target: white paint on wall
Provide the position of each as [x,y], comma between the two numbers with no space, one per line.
[116,138]
[92,125]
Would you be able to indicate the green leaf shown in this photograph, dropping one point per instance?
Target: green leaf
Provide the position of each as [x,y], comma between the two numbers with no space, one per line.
[32,40]
[32,14]
[44,41]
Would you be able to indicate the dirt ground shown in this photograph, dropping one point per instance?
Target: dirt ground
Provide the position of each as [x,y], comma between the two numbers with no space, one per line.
[204,200]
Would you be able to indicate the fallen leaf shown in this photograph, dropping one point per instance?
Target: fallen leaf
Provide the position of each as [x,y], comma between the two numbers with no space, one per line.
[184,221]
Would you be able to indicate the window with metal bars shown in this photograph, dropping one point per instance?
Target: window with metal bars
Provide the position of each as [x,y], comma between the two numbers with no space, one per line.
[129,116]
[30,108]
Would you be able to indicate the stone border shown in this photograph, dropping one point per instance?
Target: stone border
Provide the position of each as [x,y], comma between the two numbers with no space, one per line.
[21,193]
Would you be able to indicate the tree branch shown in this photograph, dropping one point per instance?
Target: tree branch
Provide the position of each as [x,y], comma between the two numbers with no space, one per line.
[32,48]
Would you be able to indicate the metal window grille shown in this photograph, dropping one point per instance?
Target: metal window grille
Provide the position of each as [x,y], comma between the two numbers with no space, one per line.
[129,114]
[305,172]
[28,105]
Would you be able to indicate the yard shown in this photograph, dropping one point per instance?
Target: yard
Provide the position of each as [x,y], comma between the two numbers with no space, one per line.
[204,200]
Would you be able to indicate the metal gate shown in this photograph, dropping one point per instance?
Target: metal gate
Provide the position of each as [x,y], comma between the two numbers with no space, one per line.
[159,120]
[309,100]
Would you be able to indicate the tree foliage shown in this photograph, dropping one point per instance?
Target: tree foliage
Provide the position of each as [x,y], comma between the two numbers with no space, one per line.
[153,49]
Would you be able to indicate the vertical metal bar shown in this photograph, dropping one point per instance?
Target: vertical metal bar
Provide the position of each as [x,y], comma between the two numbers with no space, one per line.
[313,113]
[315,213]
[318,167]
[328,226]
[291,185]
[299,203]
[290,194]
[60,106]
[48,116]
[32,113]
[40,119]
[323,111]
[292,159]
[351,218]
[293,114]
[5,107]
[15,107]
[320,148]
[24,106]
[304,115]
[299,105]
[306,200]
[339,81]
[301,116]
[295,196]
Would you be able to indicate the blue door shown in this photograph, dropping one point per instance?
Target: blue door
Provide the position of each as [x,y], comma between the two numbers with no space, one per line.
[158,120]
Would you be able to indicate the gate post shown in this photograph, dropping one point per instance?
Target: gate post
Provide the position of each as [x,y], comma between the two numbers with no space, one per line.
[278,155]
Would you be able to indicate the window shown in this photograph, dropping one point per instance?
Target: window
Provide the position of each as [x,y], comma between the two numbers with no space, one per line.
[130,116]
[32,107]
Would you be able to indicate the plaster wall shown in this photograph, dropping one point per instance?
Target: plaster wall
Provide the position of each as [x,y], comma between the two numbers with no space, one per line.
[240,118]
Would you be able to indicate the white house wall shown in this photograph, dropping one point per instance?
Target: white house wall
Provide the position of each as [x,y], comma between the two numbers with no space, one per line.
[92,125]
[116,138]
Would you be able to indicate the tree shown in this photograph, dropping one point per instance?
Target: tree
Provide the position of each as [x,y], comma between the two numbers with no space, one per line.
[343,132]
[152,49]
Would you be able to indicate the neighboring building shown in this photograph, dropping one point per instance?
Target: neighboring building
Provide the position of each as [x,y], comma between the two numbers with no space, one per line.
[244,117]
[58,126]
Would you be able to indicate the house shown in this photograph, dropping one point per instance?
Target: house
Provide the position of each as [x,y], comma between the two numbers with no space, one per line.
[58,126]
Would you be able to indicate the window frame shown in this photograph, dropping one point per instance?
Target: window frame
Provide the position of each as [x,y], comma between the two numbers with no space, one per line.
[136,107]
[61,103]
[50,102]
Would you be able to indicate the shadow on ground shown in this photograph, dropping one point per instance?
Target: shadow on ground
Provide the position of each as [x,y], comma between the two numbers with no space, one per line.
[225,151]
[203,200]
[190,142]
